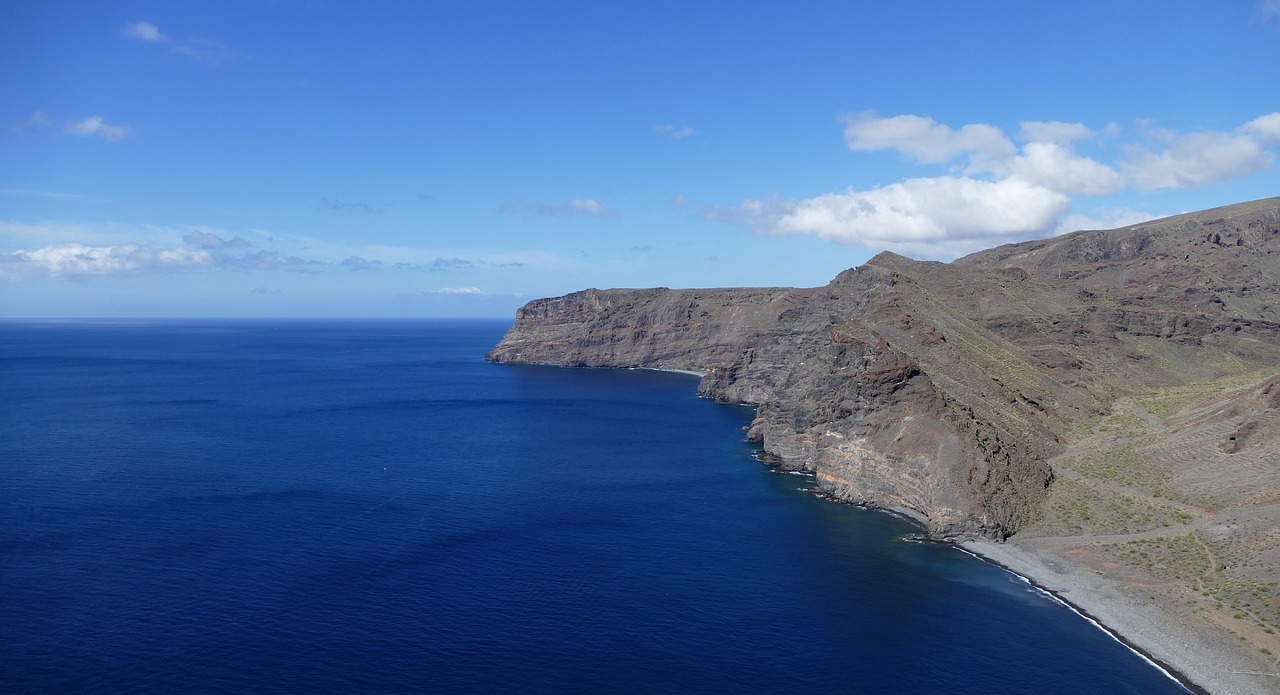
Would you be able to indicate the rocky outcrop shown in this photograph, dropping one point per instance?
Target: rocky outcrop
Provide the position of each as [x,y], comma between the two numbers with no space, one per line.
[661,328]
[943,389]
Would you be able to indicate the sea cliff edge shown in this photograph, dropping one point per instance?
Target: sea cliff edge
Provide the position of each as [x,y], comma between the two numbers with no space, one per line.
[1099,411]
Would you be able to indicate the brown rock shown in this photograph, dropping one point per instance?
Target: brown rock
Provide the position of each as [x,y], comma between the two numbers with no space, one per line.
[943,389]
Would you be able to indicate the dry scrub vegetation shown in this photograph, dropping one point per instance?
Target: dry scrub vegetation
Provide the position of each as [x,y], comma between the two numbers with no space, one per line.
[1142,494]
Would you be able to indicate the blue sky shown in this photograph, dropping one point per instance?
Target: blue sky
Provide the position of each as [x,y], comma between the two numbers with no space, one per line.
[311,158]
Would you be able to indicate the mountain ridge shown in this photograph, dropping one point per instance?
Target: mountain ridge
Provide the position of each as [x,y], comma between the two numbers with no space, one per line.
[943,389]
[1098,410]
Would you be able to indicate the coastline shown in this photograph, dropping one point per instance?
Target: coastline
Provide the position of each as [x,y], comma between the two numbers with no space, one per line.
[690,372]
[1138,486]
[1200,658]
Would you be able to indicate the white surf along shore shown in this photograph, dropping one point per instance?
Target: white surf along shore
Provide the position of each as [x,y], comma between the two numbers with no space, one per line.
[1199,656]
[1203,659]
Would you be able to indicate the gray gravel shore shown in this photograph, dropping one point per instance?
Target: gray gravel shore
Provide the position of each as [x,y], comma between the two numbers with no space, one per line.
[1207,656]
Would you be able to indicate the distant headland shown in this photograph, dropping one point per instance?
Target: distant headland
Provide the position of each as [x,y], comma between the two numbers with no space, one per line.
[1105,403]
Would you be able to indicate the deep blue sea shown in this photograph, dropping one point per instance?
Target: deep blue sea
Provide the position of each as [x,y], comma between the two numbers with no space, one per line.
[369,507]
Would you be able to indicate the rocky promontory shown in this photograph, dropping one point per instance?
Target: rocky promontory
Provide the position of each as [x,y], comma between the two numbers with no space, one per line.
[944,390]
[1103,404]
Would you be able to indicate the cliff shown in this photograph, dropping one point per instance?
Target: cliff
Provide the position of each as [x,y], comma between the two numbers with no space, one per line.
[945,390]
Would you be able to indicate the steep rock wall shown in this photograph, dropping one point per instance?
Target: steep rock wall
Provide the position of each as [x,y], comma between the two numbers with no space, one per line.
[943,389]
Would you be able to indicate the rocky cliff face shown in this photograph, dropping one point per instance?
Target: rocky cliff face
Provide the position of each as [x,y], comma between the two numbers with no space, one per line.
[676,329]
[943,389]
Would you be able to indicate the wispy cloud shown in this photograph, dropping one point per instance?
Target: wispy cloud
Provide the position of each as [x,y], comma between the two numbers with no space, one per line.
[201,50]
[997,190]
[435,265]
[586,207]
[80,261]
[456,292]
[77,260]
[96,126]
[35,122]
[443,264]
[77,250]
[143,31]
[419,258]
[360,263]
[58,232]
[339,206]
[31,193]
[203,251]
[206,51]
[211,241]
[1268,11]
[675,132]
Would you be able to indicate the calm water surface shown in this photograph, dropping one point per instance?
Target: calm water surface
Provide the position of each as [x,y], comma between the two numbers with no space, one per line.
[328,507]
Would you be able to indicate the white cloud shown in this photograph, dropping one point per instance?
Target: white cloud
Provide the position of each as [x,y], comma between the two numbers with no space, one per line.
[1103,219]
[924,139]
[1002,193]
[460,290]
[95,125]
[674,132]
[934,217]
[1197,158]
[1056,167]
[72,249]
[590,207]
[143,31]
[62,251]
[71,260]
[577,206]
[1265,128]
[1048,159]
[1056,132]
[205,51]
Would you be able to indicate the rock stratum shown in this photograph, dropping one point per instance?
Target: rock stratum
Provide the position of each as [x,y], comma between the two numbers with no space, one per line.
[944,390]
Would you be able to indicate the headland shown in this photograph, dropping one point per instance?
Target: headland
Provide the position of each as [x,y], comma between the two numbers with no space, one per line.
[1098,411]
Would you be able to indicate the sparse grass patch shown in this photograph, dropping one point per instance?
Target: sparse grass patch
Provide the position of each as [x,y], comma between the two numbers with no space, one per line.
[1169,400]
[1080,506]
[1174,557]
[1122,465]
[1194,562]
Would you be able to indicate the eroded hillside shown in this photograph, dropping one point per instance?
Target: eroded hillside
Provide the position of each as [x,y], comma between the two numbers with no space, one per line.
[947,390]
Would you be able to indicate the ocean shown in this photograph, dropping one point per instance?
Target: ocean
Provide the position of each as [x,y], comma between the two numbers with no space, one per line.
[222,506]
